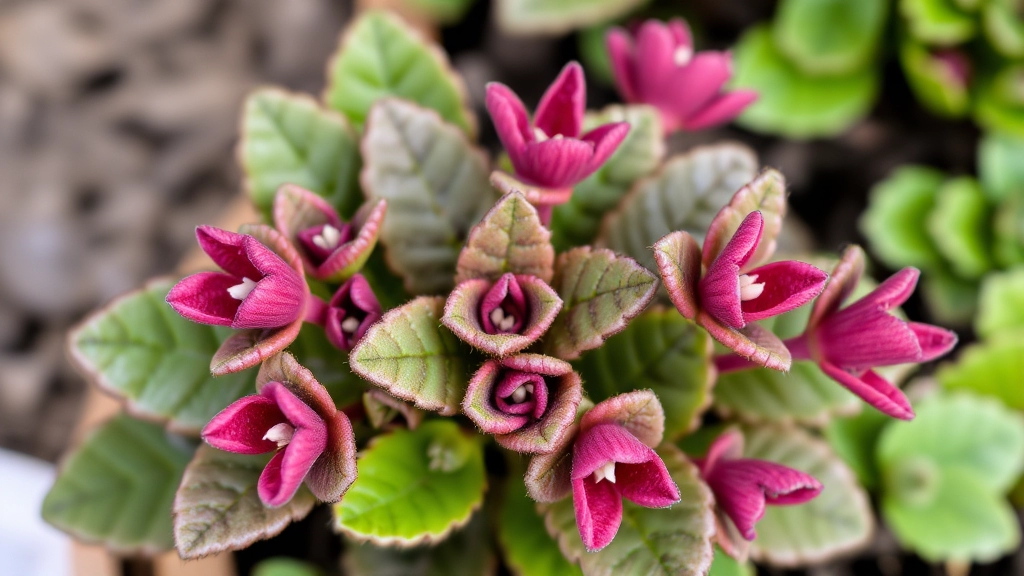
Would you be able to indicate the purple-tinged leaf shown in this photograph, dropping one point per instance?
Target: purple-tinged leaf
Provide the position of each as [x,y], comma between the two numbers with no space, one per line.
[678,258]
[510,238]
[767,194]
[548,477]
[640,412]
[752,342]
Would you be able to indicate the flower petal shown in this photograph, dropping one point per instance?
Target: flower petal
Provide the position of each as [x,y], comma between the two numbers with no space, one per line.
[934,341]
[606,139]
[639,412]
[240,427]
[510,120]
[752,342]
[648,484]
[349,257]
[555,163]
[728,446]
[842,282]
[204,298]
[295,410]
[479,404]
[696,84]
[743,487]
[598,508]
[227,251]
[279,297]
[890,294]
[874,390]
[678,257]
[787,285]
[621,54]
[607,442]
[354,299]
[866,338]
[655,62]
[296,211]
[561,109]
[335,470]
[721,109]
[719,289]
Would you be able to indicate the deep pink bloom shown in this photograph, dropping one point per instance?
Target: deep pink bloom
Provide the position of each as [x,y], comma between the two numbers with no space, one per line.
[273,420]
[351,312]
[257,289]
[550,152]
[848,343]
[661,69]
[609,464]
[504,309]
[743,486]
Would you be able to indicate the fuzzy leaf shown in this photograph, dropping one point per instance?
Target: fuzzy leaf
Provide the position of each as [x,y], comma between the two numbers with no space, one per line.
[288,139]
[836,521]
[409,354]
[855,439]
[661,351]
[578,221]
[217,507]
[555,18]
[437,471]
[674,541]
[994,368]
[528,549]
[829,38]
[1001,306]
[767,194]
[938,21]
[378,56]
[897,215]
[466,552]
[933,81]
[462,316]
[805,395]
[116,488]
[794,104]
[436,186]
[142,351]
[959,225]
[510,238]
[685,194]
[601,293]
[997,102]
[999,167]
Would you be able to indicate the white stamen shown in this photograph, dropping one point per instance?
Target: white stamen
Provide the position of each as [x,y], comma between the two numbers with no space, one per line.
[557,137]
[328,238]
[280,433]
[507,322]
[539,134]
[240,291]
[606,472]
[682,55]
[749,290]
[350,324]
[519,395]
[497,317]
[529,388]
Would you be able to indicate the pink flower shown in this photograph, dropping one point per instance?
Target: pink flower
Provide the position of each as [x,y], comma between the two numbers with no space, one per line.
[610,462]
[293,416]
[504,309]
[662,70]
[351,312]
[743,487]
[257,289]
[550,152]
[848,343]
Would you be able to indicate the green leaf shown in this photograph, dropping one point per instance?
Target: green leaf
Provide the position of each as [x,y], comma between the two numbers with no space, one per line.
[951,515]
[662,351]
[601,292]
[805,395]
[959,225]
[994,368]
[830,37]
[685,194]
[283,566]
[414,487]
[1008,228]
[116,488]
[938,21]
[999,167]
[379,56]
[897,215]
[674,541]
[1003,28]
[725,565]
[554,18]
[855,438]
[791,103]
[529,549]
[577,222]
[217,507]
[934,82]
[952,300]
[510,238]
[436,186]
[444,11]
[1001,306]
[412,356]
[139,349]
[331,369]
[999,100]
[836,521]
[288,139]
[959,431]
[466,552]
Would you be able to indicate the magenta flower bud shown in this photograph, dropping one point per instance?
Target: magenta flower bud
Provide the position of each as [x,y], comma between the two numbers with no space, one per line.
[504,309]
[848,343]
[257,289]
[549,152]
[743,486]
[527,401]
[660,68]
[295,418]
[351,312]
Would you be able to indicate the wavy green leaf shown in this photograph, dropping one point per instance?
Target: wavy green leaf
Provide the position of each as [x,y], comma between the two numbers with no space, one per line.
[897,215]
[578,221]
[116,488]
[1001,305]
[960,227]
[938,21]
[555,18]
[436,185]
[662,351]
[674,541]
[685,194]
[792,103]
[529,549]
[139,349]
[832,37]
[288,139]
[217,507]
[836,521]
[414,487]
[378,56]
[601,293]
